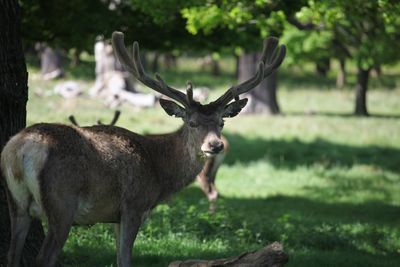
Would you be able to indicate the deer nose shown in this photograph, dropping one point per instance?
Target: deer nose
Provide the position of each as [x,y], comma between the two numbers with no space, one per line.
[216,147]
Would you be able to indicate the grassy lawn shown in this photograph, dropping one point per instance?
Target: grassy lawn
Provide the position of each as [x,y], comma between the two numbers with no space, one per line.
[322,182]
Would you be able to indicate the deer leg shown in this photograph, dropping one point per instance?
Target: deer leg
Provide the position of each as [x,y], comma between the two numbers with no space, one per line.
[58,230]
[129,227]
[20,221]
[19,230]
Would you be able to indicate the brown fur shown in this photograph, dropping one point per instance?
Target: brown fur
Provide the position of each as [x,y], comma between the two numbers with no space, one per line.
[95,174]
[206,177]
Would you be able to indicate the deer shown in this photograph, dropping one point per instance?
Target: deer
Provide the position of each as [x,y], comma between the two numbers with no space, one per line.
[206,177]
[68,175]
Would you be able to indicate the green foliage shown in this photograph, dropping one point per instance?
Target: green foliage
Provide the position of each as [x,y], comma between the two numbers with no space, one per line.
[163,12]
[364,29]
[306,46]
[248,21]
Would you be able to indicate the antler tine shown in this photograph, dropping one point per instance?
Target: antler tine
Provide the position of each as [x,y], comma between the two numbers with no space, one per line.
[116,117]
[189,91]
[136,68]
[113,121]
[269,46]
[121,52]
[73,121]
[271,59]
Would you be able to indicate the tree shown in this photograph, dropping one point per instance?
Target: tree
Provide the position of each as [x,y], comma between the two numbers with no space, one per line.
[366,30]
[248,22]
[13,97]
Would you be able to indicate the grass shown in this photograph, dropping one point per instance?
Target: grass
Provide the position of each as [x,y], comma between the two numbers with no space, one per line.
[322,182]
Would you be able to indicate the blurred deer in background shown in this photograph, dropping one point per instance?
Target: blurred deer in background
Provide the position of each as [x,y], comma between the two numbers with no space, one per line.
[206,177]
[86,175]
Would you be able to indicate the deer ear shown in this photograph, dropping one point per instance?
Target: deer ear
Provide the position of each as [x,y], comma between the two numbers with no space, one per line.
[172,108]
[234,108]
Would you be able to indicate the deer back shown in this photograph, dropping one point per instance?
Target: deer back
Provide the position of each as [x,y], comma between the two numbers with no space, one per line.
[98,165]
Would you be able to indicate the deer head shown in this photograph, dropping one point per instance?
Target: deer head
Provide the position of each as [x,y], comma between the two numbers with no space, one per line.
[204,122]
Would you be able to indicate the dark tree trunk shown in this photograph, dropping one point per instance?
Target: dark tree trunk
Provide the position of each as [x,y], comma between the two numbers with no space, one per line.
[215,69]
[169,61]
[361,92]
[13,97]
[341,76]
[262,99]
[154,64]
[75,58]
[237,70]
[323,66]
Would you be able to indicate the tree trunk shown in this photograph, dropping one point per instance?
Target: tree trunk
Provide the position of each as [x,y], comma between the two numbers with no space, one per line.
[13,97]
[154,64]
[262,99]
[50,63]
[361,92]
[323,66]
[341,76]
[75,58]
[215,69]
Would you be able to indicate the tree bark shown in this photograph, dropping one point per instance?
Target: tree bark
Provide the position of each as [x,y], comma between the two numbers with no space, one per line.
[50,63]
[341,76]
[13,98]
[170,61]
[361,92]
[263,98]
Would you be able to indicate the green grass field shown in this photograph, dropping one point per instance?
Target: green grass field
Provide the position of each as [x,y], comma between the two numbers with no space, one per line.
[322,182]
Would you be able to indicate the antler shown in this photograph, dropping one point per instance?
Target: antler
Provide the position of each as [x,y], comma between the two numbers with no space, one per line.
[114,120]
[73,121]
[271,59]
[135,67]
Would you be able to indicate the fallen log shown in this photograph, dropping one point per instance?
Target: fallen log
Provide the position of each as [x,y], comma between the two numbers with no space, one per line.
[269,256]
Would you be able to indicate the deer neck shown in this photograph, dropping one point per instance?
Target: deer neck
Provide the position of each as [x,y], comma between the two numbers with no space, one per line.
[177,159]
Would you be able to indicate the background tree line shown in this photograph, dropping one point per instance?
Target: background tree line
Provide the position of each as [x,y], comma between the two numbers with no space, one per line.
[361,32]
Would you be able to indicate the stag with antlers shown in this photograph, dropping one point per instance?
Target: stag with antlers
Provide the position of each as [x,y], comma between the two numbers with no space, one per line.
[106,174]
[206,177]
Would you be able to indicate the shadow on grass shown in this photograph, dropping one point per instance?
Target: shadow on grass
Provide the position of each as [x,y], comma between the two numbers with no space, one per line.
[357,234]
[294,153]
[308,227]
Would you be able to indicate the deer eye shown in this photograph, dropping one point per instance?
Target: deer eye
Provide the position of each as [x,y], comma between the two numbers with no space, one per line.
[193,124]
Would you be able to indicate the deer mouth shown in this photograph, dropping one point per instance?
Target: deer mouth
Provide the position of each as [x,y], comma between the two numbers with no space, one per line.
[210,154]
